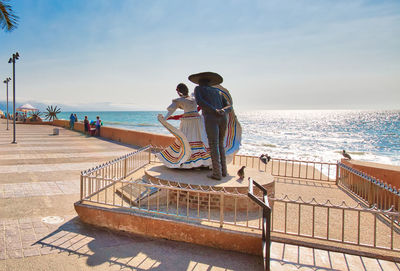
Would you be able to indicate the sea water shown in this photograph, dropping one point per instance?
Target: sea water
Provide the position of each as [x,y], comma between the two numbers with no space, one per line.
[312,135]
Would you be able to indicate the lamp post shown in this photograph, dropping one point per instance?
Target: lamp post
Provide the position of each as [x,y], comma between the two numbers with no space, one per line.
[12,60]
[8,79]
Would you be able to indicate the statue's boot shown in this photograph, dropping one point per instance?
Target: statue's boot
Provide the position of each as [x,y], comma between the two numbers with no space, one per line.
[216,166]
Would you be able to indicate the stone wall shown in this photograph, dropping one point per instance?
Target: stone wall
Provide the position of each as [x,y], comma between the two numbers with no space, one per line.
[386,173]
[136,138]
[170,229]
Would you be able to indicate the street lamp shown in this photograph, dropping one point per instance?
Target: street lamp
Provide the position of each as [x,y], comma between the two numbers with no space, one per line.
[8,79]
[12,60]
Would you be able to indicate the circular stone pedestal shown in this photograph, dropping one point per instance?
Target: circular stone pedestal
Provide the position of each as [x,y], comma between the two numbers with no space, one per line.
[157,172]
[199,176]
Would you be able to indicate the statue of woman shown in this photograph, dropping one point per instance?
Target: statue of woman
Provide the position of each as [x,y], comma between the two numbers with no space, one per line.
[191,149]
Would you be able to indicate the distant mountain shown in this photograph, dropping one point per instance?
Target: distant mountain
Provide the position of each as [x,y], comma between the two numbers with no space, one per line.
[104,106]
[3,105]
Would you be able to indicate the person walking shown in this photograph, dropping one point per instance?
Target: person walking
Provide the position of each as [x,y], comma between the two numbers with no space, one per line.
[71,121]
[86,125]
[98,125]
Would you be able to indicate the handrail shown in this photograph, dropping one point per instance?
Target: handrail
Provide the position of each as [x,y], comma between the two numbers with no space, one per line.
[114,161]
[302,169]
[370,189]
[266,225]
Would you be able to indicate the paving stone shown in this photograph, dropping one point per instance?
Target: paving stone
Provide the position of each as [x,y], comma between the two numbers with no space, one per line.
[3,255]
[386,265]
[47,250]
[14,254]
[337,260]
[31,252]
[41,230]
[354,262]
[306,256]
[14,245]
[322,258]
[25,226]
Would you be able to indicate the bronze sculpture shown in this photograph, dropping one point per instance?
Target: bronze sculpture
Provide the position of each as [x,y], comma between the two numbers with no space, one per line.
[214,107]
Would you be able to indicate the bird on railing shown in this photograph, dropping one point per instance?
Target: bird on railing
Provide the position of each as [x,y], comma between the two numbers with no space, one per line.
[346,155]
[240,172]
[265,158]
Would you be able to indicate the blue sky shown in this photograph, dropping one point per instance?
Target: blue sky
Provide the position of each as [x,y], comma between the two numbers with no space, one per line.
[119,55]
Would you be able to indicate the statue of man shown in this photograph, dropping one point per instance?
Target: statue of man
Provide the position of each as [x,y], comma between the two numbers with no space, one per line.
[214,107]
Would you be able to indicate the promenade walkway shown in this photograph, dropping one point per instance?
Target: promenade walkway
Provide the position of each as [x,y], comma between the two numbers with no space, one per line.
[39,229]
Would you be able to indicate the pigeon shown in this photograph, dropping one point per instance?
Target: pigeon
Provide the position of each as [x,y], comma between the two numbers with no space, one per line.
[241,172]
[346,155]
[265,158]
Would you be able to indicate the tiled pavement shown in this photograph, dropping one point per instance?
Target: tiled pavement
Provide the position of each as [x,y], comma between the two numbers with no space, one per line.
[28,243]
[60,155]
[26,237]
[39,189]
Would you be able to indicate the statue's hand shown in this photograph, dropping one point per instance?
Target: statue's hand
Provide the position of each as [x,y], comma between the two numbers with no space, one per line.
[160,116]
[220,112]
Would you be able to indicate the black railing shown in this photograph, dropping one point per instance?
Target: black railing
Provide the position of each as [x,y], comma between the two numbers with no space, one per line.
[266,225]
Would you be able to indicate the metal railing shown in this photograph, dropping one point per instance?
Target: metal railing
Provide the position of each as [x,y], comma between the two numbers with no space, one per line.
[368,227]
[249,161]
[309,170]
[266,220]
[372,190]
[103,175]
[200,203]
[109,185]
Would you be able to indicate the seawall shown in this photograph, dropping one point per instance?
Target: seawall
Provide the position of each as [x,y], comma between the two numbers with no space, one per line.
[387,173]
[136,138]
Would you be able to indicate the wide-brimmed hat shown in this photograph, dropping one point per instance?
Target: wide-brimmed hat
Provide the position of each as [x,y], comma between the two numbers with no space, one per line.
[212,77]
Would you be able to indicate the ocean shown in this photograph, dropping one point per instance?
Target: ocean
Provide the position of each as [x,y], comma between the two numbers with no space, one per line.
[312,135]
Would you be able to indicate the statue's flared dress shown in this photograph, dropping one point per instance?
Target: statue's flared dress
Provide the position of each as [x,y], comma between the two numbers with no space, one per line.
[190,148]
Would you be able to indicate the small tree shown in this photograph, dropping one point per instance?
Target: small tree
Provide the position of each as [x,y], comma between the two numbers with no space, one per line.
[51,113]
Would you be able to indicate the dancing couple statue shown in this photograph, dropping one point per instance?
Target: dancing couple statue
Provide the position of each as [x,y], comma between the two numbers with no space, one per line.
[207,140]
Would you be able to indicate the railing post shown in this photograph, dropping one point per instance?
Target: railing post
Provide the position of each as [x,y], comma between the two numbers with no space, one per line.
[81,186]
[125,167]
[266,220]
[337,173]
[149,154]
[221,211]
[267,232]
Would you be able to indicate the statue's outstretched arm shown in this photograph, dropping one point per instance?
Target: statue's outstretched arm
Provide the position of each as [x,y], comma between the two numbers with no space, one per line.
[171,109]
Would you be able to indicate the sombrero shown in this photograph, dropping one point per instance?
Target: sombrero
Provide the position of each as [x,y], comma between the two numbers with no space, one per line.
[212,77]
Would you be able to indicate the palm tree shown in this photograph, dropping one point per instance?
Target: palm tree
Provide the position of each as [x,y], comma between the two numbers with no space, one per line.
[8,19]
[51,113]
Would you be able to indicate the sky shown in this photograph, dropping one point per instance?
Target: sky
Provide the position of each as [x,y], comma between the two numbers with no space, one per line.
[272,54]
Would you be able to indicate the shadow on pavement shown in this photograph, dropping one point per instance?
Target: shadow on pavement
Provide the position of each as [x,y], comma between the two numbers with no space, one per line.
[101,246]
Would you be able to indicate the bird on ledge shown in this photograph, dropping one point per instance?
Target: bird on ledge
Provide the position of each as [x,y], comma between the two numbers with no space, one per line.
[240,172]
[265,158]
[346,155]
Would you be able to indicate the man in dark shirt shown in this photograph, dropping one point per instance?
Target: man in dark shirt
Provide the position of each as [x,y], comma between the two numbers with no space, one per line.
[214,107]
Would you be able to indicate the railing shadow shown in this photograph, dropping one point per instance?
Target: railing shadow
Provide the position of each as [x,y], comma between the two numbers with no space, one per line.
[101,246]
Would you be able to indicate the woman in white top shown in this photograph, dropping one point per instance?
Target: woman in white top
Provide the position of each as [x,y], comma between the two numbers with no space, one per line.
[190,148]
